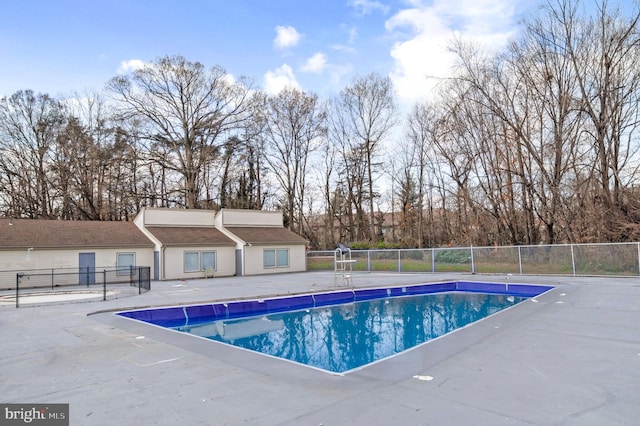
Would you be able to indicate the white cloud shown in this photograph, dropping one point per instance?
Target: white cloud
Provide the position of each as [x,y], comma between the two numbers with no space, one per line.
[366,7]
[315,64]
[337,74]
[352,36]
[286,37]
[130,66]
[282,77]
[422,59]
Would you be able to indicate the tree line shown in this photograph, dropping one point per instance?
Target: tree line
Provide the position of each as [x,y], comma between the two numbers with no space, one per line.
[537,143]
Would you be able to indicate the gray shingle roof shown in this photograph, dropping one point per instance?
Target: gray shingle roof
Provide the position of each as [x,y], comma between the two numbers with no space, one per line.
[266,235]
[187,235]
[24,233]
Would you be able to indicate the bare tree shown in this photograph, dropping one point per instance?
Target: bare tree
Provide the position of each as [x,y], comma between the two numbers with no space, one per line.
[407,205]
[422,123]
[241,175]
[551,125]
[605,51]
[525,99]
[29,125]
[86,159]
[347,200]
[294,128]
[186,110]
[370,108]
[329,215]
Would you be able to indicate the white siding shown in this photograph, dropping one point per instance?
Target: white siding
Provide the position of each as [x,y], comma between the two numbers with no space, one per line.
[254,265]
[68,258]
[248,218]
[174,262]
[177,217]
[139,222]
[22,260]
[172,258]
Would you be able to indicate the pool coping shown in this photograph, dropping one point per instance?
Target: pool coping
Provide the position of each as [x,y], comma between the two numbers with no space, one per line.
[187,314]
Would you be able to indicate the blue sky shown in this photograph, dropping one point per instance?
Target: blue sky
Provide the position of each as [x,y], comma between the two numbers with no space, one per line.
[62,46]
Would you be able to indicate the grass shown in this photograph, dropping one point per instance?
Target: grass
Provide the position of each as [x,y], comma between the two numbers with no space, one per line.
[386,265]
[320,263]
[544,261]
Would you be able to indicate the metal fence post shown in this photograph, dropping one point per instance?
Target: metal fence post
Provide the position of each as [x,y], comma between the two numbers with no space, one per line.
[399,262]
[573,261]
[52,278]
[139,280]
[473,266]
[368,260]
[104,284]
[520,259]
[17,290]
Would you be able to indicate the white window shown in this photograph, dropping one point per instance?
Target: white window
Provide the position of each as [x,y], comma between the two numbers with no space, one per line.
[196,261]
[125,262]
[283,258]
[191,261]
[269,260]
[208,260]
[276,258]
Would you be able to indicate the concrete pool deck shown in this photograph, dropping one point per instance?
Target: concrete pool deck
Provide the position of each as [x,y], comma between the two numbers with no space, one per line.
[571,357]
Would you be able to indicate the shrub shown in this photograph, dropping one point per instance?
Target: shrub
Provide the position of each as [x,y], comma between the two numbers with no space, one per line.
[453,256]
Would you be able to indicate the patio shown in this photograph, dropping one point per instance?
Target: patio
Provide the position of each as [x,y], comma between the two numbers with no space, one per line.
[572,357]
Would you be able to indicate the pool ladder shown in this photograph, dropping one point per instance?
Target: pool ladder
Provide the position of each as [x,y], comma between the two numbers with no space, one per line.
[343,266]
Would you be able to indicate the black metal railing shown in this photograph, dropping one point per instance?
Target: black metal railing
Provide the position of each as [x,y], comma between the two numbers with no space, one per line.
[51,284]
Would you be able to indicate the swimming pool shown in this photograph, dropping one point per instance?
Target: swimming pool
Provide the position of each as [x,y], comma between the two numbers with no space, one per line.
[343,330]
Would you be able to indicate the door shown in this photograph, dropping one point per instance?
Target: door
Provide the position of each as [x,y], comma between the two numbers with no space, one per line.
[87,262]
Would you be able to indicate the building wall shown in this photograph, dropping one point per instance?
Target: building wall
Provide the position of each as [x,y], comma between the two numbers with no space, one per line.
[172,262]
[68,258]
[248,218]
[254,259]
[177,217]
[172,258]
[139,222]
[12,261]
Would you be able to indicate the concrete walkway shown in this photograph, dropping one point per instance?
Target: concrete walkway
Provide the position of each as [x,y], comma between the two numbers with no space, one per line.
[571,357]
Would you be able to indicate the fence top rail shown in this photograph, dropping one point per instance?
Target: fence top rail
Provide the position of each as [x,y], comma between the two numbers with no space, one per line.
[630,243]
[77,271]
[62,269]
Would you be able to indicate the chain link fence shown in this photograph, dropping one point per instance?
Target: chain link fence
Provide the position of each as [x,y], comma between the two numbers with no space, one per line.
[606,259]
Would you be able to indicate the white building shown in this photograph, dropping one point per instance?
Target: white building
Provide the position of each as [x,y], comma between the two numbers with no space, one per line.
[263,244]
[175,243]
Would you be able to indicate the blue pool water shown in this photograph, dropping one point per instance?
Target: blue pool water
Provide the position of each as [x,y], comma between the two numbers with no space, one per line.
[342,330]
[344,337]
